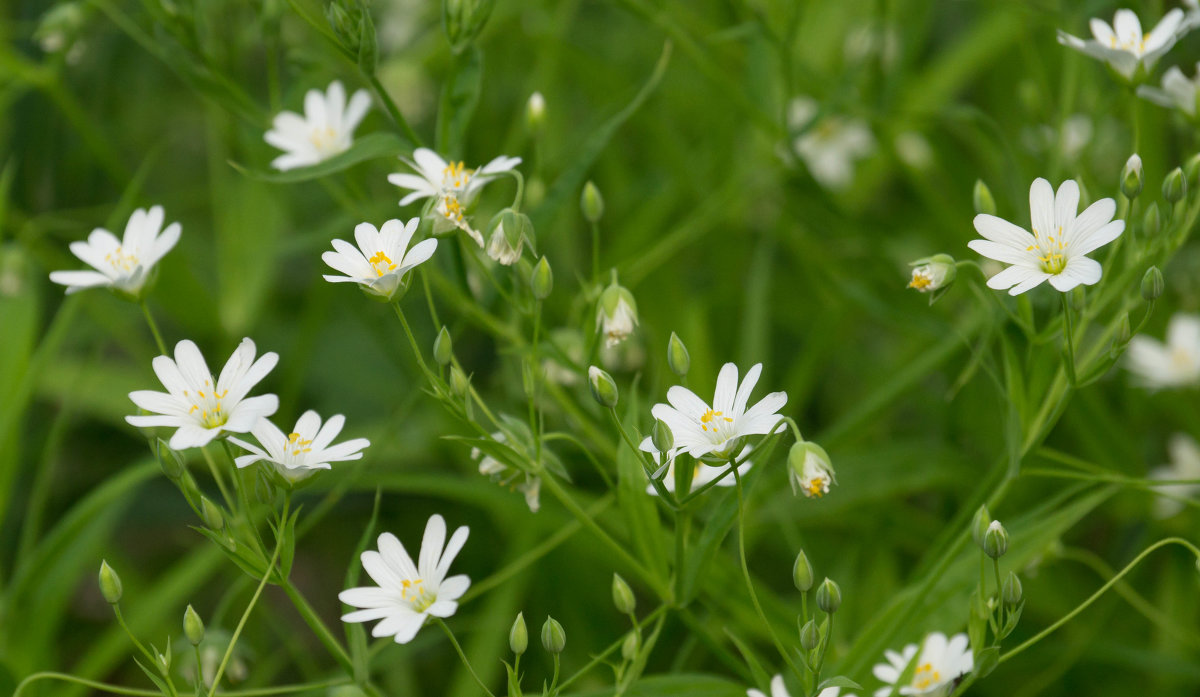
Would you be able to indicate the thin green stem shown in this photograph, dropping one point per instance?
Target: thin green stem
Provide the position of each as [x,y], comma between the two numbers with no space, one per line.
[390,106]
[121,621]
[595,251]
[412,340]
[314,622]
[999,591]
[599,658]
[216,475]
[162,347]
[441,623]
[1069,339]
[104,687]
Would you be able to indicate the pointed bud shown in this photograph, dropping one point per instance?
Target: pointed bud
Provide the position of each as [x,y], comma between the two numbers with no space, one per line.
[622,595]
[616,313]
[677,356]
[982,198]
[171,461]
[1152,284]
[1012,590]
[1124,333]
[193,626]
[541,281]
[629,648]
[211,513]
[802,573]
[995,540]
[460,384]
[554,638]
[1132,177]
[443,347]
[535,112]
[592,203]
[518,636]
[662,437]
[810,636]
[933,273]
[809,470]
[604,389]
[1174,187]
[164,659]
[1151,222]
[829,596]
[979,524]
[110,583]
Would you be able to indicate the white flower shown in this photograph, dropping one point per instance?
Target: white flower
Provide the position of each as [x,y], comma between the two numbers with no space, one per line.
[382,258]
[829,148]
[933,273]
[941,662]
[702,475]
[1123,45]
[1057,249]
[305,449]
[1174,364]
[198,409]
[616,314]
[326,129]
[452,185]
[809,470]
[1185,464]
[717,430]
[530,485]
[501,250]
[407,592]
[778,689]
[125,264]
[1178,92]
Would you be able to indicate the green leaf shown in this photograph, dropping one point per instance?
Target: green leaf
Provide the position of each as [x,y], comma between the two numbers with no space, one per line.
[368,147]
[460,95]
[761,677]
[988,659]
[839,681]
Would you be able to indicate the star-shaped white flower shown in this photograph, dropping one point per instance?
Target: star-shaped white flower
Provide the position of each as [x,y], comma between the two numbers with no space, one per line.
[124,264]
[778,689]
[307,448]
[1123,45]
[1174,364]
[941,662]
[1185,464]
[199,409]
[325,130]
[704,473]
[831,147]
[382,259]
[450,184]
[408,593]
[1057,250]
[717,430]
[1178,91]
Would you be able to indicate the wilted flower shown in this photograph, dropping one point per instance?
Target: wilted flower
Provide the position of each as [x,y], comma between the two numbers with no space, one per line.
[198,409]
[809,470]
[307,448]
[408,593]
[123,265]
[451,184]
[501,249]
[1178,91]
[831,147]
[382,258]
[1057,249]
[529,485]
[703,473]
[1123,45]
[778,689]
[1185,464]
[325,130]
[941,662]
[717,430]
[616,313]
[1174,364]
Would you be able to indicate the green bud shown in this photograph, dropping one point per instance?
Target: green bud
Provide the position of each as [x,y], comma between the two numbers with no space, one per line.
[982,198]
[616,313]
[171,461]
[193,626]
[1132,177]
[541,281]
[554,639]
[535,112]
[829,596]
[211,513]
[164,659]
[802,573]
[1012,590]
[604,389]
[810,636]
[1124,333]
[460,384]
[518,636]
[622,595]
[979,524]
[933,273]
[592,203]
[443,347]
[629,648]
[677,356]
[662,437]
[809,470]
[110,583]
[1152,284]
[1151,222]
[995,540]
[1174,187]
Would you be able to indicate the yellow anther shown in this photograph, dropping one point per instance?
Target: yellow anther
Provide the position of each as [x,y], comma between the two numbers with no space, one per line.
[381,263]
[920,282]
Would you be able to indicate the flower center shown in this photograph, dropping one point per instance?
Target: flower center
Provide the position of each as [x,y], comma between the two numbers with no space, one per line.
[451,208]
[920,279]
[207,405]
[121,260]
[817,487]
[1051,251]
[926,677]
[382,263]
[1181,358]
[455,176]
[297,445]
[1135,44]
[324,139]
[414,592]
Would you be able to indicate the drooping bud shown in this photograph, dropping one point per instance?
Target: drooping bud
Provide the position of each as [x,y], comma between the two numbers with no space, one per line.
[460,384]
[1152,284]
[604,389]
[829,596]
[802,573]
[616,313]
[110,583]
[507,238]
[541,281]
[1132,177]
[995,540]
[518,636]
[193,626]
[979,524]
[677,356]
[1011,592]
[933,273]
[592,203]
[629,647]
[810,636]
[810,470]
[535,112]
[554,638]
[443,347]
[211,513]
[1151,222]
[1174,187]
[622,595]
[982,198]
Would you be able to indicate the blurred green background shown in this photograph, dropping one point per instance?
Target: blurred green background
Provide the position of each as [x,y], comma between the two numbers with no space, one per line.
[714,224]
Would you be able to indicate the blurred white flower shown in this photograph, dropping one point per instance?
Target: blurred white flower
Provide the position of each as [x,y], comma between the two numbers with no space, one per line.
[1176,363]
[529,485]
[307,448]
[1057,249]
[198,409]
[126,264]
[913,149]
[717,430]
[831,147]
[407,592]
[1178,92]
[326,129]
[941,662]
[1123,45]
[778,689]
[382,259]
[704,473]
[1185,464]
[616,313]
[451,184]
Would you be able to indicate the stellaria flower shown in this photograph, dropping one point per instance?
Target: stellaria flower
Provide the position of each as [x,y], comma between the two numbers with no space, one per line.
[408,593]
[940,664]
[123,265]
[1123,45]
[933,273]
[200,410]
[809,470]
[1057,249]
[382,259]
[528,484]
[1178,91]
[1176,363]
[831,147]
[307,448]
[717,431]
[1185,464]
[325,130]
[451,185]
[616,313]
[703,474]
[778,689]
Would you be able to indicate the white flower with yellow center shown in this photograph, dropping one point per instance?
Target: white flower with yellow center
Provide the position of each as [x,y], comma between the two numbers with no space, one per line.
[1174,364]
[452,186]
[382,259]
[408,593]
[199,409]
[830,148]
[1178,91]
[326,128]
[1057,250]
[703,473]
[123,265]
[941,663]
[1123,45]
[307,448]
[716,431]
[779,689]
[1185,464]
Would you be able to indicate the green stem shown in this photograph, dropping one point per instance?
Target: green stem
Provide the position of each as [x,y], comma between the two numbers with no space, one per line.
[463,656]
[999,591]
[216,474]
[119,690]
[1069,339]
[412,340]
[121,620]
[392,109]
[599,658]
[162,347]
[595,252]
[314,622]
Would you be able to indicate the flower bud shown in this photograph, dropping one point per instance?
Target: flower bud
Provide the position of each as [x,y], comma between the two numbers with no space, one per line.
[1012,590]
[979,524]
[1151,222]
[506,242]
[982,198]
[1132,177]
[443,347]
[535,112]
[163,660]
[810,636]
[463,20]
[995,540]
[193,626]
[211,513]
[1174,187]
[518,636]
[603,387]
[541,281]
[662,437]
[629,648]
[1152,284]
[171,461]
[554,639]
[933,273]
[829,596]
[110,583]
[460,384]
[810,470]
[616,313]
[622,595]
[1124,333]
[592,203]
[802,573]
[677,356]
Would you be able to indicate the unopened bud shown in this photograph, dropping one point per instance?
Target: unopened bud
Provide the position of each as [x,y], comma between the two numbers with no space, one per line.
[164,659]
[662,437]
[554,638]
[933,273]
[592,203]
[1174,187]
[604,389]
[1151,222]
[211,513]
[622,595]
[518,636]
[802,573]
[1124,333]
[829,596]
[171,461]
[810,636]
[1132,177]
[629,648]
[982,198]
[443,347]
[110,583]
[460,384]
[193,626]
[995,540]
[677,356]
[541,281]
[535,112]
[979,524]
[1012,590]
[1152,284]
